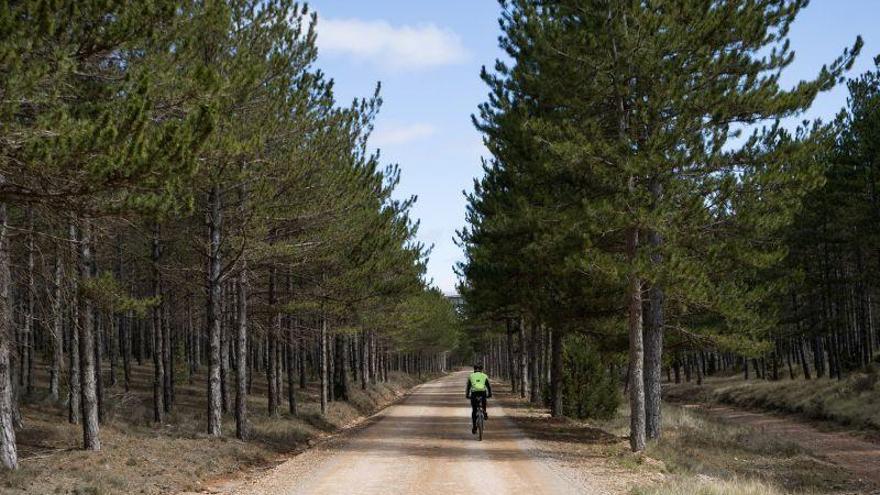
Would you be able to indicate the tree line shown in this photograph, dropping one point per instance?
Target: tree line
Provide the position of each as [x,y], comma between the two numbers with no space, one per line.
[651,204]
[180,189]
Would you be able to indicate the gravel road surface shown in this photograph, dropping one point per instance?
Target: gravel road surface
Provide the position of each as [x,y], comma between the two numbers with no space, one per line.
[421,445]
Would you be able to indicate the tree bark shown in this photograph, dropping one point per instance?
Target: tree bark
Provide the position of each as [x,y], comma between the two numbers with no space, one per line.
[57,335]
[73,386]
[340,372]
[653,335]
[126,336]
[91,440]
[364,360]
[98,339]
[556,374]
[523,359]
[511,373]
[30,340]
[167,352]
[156,319]
[8,450]
[215,407]
[241,430]
[225,392]
[654,364]
[272,343]
[197,345]
[534,381]
[636,349]
[302,363]
[323,358]
[291,367]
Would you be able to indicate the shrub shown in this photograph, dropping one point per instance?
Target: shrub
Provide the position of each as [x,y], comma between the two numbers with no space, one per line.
[589,388]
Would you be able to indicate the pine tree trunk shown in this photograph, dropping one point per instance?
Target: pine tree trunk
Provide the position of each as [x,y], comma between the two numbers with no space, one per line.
[511,369]
[374,358]
[279,365]
[803,358]
[556,371]
[197,344]
[57,335]
[126,336]
[302,363]
[225,392]
[98,339]
[215,406]
[116,334]
[653,336]
[88,386]
[29,306]
[354,357]
[323,366]
[8,450]
[141,342]
[73,388]
[364,360]
[291,368]
[193,339]
[340,375]
[636,350]
[272,342]
[698,358]
[384,365]
[167,352]
[241,370]
[534,382]
[113,346]
[523,360]
[156,319]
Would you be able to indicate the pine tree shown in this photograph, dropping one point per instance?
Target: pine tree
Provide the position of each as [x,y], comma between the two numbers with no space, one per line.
[639,127]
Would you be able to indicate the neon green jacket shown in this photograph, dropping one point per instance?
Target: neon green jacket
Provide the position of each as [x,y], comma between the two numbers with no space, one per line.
[478,382]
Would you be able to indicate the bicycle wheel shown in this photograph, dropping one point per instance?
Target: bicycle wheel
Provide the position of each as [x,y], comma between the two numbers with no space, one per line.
[480,427]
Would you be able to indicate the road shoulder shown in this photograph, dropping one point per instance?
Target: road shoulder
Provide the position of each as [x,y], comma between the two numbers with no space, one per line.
[594,460]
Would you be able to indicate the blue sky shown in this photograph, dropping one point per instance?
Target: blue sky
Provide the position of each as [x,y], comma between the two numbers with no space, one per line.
[428,54]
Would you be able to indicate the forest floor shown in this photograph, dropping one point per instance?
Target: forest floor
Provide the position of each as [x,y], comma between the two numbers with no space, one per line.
[834,420]
[851,403]
[701,452]
[139,457]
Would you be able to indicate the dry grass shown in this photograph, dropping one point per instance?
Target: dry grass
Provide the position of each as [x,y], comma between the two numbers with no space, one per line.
[708,486]
[852,402]
[699,454]
[138,457]
[696,446]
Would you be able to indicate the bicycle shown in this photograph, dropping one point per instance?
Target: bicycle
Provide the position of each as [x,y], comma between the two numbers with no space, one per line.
[479,420]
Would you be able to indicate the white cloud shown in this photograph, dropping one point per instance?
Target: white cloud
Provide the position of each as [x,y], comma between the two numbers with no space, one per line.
[399,134]
[396,47]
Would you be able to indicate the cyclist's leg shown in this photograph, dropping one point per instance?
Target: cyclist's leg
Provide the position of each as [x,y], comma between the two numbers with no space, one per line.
[474,404]
[483,402]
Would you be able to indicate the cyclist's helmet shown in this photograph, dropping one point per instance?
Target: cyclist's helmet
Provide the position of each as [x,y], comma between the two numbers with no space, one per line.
[478,366]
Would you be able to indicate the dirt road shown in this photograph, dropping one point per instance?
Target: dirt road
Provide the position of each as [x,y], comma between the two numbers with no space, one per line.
[421,445]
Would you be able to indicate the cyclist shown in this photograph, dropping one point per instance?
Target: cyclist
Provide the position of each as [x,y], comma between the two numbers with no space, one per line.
[478,390]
